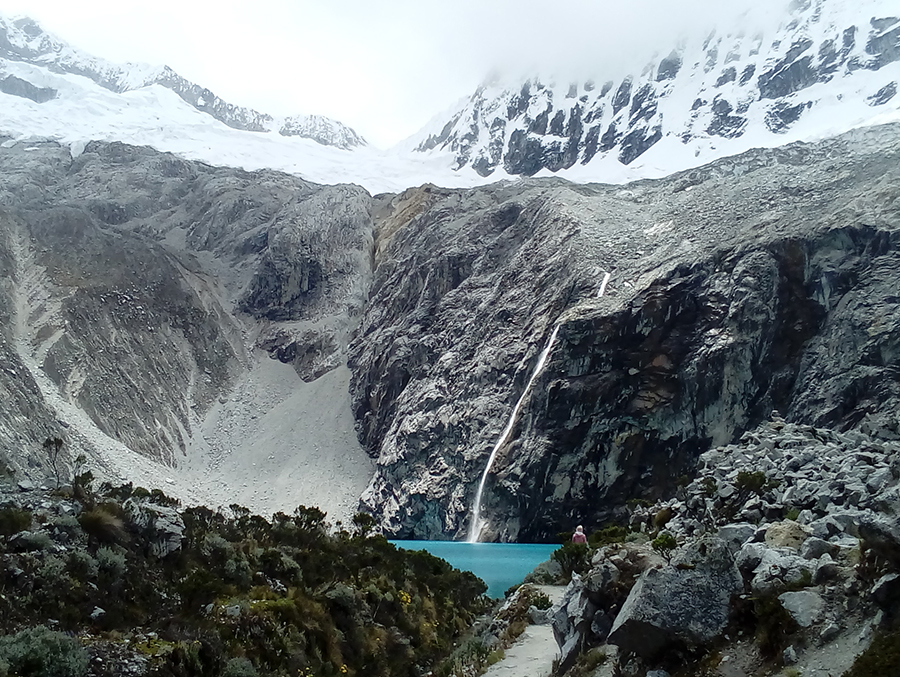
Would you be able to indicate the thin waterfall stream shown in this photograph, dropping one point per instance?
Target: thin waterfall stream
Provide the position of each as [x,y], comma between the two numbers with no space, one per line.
[475,529]
[476,526]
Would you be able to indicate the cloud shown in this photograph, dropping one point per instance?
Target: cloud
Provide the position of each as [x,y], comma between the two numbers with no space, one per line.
[384,68]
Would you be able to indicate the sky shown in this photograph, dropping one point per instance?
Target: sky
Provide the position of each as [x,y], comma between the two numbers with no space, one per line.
[383,67]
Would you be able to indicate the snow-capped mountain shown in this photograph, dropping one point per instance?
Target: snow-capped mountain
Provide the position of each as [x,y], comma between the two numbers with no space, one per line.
[24,40]
[829,66]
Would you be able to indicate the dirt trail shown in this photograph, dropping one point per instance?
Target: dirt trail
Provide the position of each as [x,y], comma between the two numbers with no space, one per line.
[534,652]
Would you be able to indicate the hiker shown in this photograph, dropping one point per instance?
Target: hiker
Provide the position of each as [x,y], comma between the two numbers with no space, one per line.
[578,536]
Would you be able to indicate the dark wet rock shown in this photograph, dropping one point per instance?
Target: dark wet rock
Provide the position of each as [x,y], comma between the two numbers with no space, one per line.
[635,387]
[781,116]
[728,75]
[884,41]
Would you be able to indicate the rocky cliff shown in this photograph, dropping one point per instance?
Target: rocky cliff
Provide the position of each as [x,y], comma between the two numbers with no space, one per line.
[138,289]
[760,282]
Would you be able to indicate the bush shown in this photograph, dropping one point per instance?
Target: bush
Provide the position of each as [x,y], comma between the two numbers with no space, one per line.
[664,544]
[13,520]
[41,652]
[111,562]
[608,535]
[103,526]
[572,557]
[239,667]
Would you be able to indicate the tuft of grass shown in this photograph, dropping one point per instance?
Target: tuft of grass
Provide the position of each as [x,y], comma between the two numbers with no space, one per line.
[103,526]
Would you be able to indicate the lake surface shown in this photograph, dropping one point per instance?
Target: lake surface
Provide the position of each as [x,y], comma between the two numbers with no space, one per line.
[500,565]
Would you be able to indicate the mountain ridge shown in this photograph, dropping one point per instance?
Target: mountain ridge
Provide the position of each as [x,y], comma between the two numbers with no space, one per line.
[23,39]
[700,94]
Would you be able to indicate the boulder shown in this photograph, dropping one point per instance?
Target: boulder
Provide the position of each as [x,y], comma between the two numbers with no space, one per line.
[161,525]
[786,534]
[571,618]
[881,534]
[735,535]
[686,603]
[778,569]
[814,548]
[886,591]
[804,606]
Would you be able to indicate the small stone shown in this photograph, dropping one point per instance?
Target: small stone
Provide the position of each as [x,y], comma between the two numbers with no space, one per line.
[830,631]
[97,613]
[789,656]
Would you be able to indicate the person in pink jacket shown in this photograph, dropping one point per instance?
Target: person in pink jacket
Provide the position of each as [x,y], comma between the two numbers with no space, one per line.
[578,536]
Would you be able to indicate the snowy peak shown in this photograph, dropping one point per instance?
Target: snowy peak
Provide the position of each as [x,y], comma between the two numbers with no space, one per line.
[24,40]
[826,68]
[324,130]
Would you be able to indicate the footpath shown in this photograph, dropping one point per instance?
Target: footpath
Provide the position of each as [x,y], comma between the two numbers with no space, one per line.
[534,652]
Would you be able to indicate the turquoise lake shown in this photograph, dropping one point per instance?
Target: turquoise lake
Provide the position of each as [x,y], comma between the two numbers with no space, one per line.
[500,565]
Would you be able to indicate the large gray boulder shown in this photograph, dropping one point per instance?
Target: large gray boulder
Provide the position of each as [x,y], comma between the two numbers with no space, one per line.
[571,619]
[804,606]
[161,525]
[686,603]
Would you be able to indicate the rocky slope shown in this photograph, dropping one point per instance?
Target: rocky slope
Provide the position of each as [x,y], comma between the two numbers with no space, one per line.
[139,291]
[761,282]
[783,551]
[825,66]
[23,40]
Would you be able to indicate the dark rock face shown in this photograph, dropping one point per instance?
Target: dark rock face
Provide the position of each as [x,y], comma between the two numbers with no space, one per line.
[525,128]
[733,289]
[19,87]
[124,271]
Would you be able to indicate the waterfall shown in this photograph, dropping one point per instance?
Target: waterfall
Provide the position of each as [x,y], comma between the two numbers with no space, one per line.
[475,529]
[603,285]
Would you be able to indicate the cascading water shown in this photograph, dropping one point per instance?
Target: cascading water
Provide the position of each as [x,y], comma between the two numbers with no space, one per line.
[475,529]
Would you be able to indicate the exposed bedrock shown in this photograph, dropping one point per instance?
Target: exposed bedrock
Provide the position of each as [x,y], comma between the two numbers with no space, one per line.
[135,283]
[764,281]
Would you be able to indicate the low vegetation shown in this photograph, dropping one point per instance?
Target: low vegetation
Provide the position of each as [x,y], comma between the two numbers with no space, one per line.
[242,596]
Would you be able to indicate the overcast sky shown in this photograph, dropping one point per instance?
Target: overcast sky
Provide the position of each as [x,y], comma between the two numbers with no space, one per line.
[383,67]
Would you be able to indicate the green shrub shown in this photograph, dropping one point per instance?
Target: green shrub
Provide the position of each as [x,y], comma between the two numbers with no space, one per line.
[573,558]
[664,544]
[13,520]
[774,625]
[239,667]
[41,652]
[710,486]
[34,540]
[882,658]
[111,561]
[608,535]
